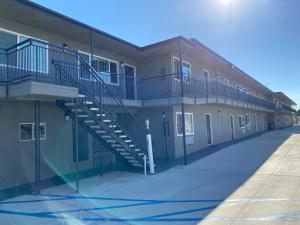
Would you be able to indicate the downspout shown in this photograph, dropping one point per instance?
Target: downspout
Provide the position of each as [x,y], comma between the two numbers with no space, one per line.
[182,104]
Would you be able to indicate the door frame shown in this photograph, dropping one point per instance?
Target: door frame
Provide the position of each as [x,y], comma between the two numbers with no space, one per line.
[233,125]
[134,77]
[256,128]
[211,130]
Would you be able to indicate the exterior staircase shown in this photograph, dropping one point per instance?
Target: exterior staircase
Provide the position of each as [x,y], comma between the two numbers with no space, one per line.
[103,115]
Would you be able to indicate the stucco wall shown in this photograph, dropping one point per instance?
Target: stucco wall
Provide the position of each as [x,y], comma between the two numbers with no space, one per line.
[221,131]
[17,165]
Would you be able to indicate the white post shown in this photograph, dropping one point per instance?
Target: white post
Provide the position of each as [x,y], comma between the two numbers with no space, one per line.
[150,151]
[145,165]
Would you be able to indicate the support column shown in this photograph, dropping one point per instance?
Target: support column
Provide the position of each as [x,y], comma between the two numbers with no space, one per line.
[75,144]
[182,104]
[37,147]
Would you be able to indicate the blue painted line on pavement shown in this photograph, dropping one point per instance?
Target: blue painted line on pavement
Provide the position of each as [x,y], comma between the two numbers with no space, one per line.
[130,199]
[156,218]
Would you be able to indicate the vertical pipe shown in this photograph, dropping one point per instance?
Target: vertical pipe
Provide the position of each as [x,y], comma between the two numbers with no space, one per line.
[75,144]
[182,104]
[91,43]
[37,147]
[165,127]
[36,61]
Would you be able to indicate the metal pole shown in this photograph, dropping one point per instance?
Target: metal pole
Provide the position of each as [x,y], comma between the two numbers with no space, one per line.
[75,144]
[37,147]
[182,104]
[145,165]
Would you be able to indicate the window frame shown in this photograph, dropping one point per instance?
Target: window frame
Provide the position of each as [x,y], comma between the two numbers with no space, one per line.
[193,127]
[241,116]
[32,131]
[109,61]
[18,35]
[183,61]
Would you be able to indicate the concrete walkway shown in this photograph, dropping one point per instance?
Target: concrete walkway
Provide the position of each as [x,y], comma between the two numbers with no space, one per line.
[253,182]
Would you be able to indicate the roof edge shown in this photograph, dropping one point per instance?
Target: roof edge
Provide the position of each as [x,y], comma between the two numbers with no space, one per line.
[69,19]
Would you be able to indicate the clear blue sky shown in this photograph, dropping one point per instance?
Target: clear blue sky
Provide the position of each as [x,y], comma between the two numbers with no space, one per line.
[262,37]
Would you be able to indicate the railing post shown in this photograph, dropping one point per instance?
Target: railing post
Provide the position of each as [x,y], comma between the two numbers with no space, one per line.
[36,61]
[149,146]
[6,54]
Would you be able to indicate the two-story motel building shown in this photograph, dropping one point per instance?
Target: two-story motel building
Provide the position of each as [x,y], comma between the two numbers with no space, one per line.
[91,93]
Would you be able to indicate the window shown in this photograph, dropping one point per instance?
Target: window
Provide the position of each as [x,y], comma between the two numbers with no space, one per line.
[189,124]
[242,121]
[108,70]
[27,131]
[247,120]
[8,40]
[186,70]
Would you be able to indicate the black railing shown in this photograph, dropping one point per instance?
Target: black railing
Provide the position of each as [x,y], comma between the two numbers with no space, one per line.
[285,108]
[33,60]
[197,87]
[43,62]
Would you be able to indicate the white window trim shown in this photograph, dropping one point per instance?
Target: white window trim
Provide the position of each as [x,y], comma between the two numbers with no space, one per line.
[248,125]
[32,130]
[211,129]
[243,116]
[187,113]
[18,41]
[183,61]
[109,60]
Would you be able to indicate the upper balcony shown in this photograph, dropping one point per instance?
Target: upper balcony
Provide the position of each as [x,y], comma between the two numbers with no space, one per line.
[37,61]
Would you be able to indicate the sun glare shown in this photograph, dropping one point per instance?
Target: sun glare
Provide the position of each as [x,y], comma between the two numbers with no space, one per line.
[225,2]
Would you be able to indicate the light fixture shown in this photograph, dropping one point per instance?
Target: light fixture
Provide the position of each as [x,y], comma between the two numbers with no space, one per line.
[67,117]
[122,64]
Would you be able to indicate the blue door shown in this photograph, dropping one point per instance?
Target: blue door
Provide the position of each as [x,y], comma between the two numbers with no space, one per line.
[129,82]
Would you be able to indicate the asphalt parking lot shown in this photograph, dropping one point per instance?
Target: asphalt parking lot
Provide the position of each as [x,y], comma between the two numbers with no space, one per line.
[254,182]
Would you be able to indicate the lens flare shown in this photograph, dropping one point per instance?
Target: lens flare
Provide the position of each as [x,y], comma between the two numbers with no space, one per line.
[225,2]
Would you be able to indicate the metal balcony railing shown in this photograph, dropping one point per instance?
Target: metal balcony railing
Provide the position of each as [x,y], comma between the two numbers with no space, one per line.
[43,62]
[197,87]
[33,60]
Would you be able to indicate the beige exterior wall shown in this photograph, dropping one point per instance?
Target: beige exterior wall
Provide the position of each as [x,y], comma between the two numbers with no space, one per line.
[221,130]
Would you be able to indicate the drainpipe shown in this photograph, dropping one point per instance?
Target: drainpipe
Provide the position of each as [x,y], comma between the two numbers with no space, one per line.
[75,144]
[37,147]
[182,104]
[92,43]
